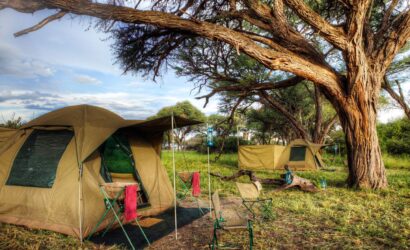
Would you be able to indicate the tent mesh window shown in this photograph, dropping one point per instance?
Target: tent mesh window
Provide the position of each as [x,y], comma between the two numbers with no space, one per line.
[36,163]
[117,158]
[297,153]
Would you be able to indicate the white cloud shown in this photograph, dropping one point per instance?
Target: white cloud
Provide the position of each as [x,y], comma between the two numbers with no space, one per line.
[130,106]
[79,45]
[85,79]
[65,50]
[15,63]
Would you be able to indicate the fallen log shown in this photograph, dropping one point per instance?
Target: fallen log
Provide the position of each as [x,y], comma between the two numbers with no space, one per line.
[251,175]
[302,183]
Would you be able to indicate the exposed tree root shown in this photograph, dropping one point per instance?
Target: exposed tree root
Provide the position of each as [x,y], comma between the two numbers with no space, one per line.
[297,181]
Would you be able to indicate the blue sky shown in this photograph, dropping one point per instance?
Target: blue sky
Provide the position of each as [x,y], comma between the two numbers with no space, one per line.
[67,62]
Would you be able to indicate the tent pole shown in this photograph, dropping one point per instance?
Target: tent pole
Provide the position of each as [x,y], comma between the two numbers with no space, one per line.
[173,168]
[209,178]
[80,202]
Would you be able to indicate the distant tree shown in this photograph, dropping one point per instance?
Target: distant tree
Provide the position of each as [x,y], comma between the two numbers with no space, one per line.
[220,125]
[268,126]
[183,109]
[13,122]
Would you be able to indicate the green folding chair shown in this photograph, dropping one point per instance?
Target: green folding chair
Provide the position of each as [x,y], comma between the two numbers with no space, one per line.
[229,219]
[114,194]
[185,178]
[249,193]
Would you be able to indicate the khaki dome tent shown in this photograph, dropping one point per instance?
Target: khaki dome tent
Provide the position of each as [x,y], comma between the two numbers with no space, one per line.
[298,155]
[260,157]
[41,185]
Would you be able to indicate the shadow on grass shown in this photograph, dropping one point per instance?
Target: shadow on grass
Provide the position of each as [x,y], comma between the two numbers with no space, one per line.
[155,232]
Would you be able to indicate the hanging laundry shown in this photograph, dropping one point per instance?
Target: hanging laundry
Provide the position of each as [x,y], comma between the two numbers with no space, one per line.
[196,184]
[130,202]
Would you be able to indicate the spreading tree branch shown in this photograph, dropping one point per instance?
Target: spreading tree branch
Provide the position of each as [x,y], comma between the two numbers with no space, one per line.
[398,97]
[397,38]
[318,73]
[251,87]
[334,35]
[41,24]
[289,116]
[326,129]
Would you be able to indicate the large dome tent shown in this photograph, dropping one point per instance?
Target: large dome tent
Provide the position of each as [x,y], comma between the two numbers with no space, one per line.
[52,167]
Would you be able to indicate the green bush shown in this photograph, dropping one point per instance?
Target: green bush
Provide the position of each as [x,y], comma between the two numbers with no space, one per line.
[394,137]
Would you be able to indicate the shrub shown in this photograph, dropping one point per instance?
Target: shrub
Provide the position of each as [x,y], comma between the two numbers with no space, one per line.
[394,137]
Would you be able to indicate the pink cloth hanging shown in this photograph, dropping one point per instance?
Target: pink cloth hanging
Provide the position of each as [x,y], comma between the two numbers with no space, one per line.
[130,202]
[196,184]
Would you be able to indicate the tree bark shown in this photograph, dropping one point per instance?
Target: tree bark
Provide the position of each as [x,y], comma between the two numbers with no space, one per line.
[358,117]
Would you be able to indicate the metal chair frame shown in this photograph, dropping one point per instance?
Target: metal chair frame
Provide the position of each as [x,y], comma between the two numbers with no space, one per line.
[220,221]
[110,204]
[250,203]
[186,189]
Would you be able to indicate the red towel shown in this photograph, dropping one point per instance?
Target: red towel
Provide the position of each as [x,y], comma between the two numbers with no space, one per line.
[130,202]
[196,184]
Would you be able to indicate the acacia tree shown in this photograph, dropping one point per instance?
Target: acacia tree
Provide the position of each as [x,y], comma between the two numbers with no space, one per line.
[368,34]
[183,109]
[214,66]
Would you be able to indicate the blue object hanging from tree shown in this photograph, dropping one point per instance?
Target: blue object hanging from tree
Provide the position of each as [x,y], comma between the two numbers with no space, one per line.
[209,137]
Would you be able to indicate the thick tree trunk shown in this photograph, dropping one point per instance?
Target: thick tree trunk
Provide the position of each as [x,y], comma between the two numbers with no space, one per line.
[358,117]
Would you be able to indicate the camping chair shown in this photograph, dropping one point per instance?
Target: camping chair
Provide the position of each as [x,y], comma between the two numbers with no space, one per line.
[186,181]
[229,219]
[114,194]
[250,195]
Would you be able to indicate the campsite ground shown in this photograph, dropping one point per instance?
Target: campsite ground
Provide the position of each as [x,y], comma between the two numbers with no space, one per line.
[336,217]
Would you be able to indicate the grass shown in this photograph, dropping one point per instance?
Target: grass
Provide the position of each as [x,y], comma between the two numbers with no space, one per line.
[336,217]
[16,238]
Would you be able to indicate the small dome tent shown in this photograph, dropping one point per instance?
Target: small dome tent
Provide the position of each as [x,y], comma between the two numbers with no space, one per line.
[260,157]
[298,155]
[51,168]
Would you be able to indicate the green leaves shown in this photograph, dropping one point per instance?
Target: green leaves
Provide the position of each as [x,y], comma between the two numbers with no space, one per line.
[183,109]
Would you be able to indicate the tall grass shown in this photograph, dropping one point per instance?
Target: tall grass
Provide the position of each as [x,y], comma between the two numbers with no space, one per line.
[337,217]
[397,162]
